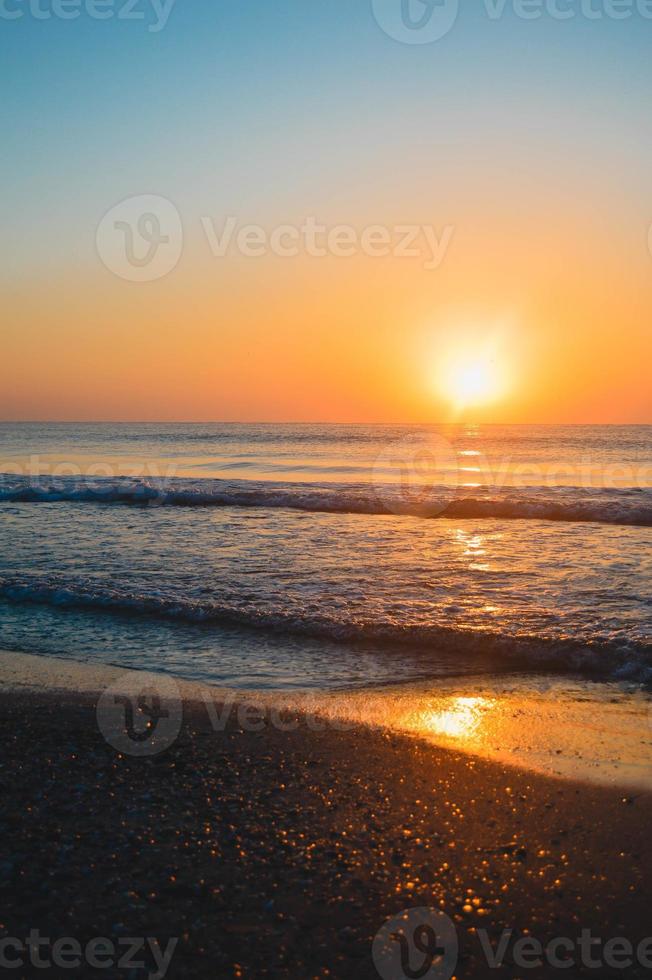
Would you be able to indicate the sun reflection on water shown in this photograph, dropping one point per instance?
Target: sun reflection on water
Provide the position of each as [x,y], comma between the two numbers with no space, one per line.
[461,718]
[473,544]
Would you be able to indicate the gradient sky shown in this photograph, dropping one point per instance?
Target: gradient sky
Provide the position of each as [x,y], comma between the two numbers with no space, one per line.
[531,139]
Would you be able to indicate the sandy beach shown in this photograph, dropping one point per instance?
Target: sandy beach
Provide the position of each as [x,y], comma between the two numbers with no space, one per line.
[280,851]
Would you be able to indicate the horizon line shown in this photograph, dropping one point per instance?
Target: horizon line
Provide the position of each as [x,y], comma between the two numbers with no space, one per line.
[110,421]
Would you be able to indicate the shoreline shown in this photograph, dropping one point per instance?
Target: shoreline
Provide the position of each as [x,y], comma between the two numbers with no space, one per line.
[280,852]
[577,730]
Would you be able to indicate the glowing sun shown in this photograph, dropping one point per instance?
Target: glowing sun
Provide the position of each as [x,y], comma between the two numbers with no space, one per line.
[473,382]
[470,380]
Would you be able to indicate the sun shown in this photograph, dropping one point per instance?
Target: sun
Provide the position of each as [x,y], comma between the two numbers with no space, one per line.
[471,365]
[473,382]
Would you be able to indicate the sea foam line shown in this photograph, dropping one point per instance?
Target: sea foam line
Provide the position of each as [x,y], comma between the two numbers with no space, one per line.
[568,504]
[598,656]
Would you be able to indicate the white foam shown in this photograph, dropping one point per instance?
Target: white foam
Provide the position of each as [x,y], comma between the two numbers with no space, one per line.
[569,504]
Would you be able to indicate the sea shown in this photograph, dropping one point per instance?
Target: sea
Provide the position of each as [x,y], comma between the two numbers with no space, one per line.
[330,557]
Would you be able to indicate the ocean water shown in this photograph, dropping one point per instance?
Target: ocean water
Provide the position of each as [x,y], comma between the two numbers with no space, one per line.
[327,557]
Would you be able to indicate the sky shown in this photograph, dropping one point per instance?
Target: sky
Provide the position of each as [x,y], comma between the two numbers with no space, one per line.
[291,210]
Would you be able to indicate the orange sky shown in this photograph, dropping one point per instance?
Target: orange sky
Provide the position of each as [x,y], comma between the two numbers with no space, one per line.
[334,339]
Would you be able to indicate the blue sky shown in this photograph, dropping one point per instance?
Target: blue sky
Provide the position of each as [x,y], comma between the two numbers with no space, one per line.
[299,103]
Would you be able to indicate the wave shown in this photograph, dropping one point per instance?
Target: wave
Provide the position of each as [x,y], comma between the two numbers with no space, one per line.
[571,504]
[613,657]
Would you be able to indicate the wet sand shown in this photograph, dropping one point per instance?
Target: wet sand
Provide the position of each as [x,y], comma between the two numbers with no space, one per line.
[274,853]
[576,728]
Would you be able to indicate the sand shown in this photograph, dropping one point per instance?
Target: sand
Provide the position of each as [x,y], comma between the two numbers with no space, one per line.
[574,728]
[281,853]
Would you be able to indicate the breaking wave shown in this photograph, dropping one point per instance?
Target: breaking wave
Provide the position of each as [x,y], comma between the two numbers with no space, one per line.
[601,657]
[571,504]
